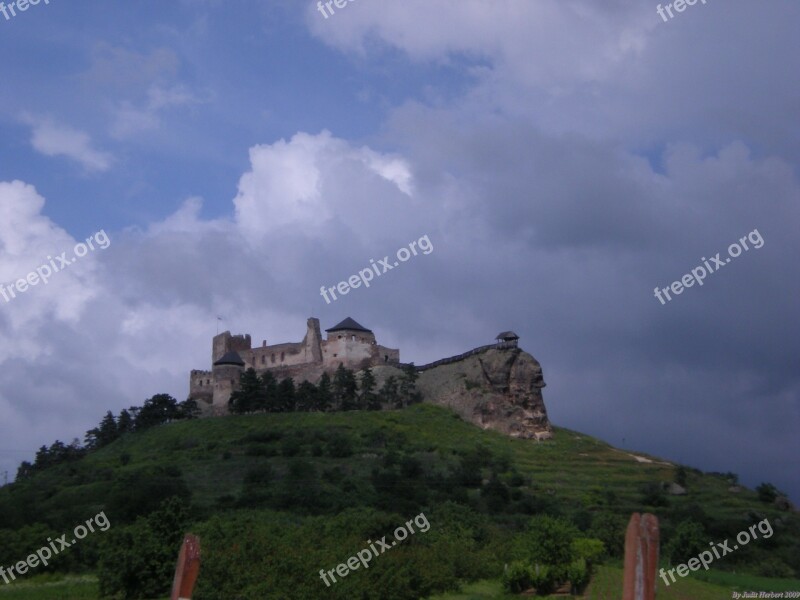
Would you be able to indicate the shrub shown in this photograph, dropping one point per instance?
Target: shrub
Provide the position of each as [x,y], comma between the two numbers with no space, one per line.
[767,493]
[688,540]
[588,549]
[138,561]
[340,446]
[291,446]
[543,578]
[609,528]
[578,575]
[518,577]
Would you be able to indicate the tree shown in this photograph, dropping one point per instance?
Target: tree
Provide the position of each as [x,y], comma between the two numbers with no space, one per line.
[389,392]
[324,393]
[610,529]
[25,470]
[680,476]
[369,400]
[306,397]
[188,409]
[269,401]
[408,386]
[286,400]
[549,540]
[249,397]
[345,388]
[688,540]
[138,561]
[103,434]
[161,408]
[127,420]
[767,493]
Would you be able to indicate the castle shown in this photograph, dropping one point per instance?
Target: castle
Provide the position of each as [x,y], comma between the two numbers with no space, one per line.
[347,343]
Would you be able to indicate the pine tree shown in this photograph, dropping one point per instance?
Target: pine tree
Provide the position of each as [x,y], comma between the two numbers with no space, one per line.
[269,400]
[247,398]
[324,393]
[125,422]
[389,392]
[345,389]
[286,395]
[307,397]
[103,434]
[369,400]
[408,386]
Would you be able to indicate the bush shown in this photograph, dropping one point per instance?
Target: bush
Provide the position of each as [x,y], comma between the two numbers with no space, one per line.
[688,540]
[589,550]
[767,493]
[340,446]
[578,575]
[653,495]
[543,578]
[291,446]
[609,528]
[518,577]
[137,493]
[138,561]
[548,541]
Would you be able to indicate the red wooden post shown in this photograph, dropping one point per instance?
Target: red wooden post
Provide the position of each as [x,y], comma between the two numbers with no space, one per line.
[641,558]
[187,570]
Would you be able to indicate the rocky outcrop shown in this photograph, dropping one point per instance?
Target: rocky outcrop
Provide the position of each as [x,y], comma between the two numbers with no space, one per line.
[495,388]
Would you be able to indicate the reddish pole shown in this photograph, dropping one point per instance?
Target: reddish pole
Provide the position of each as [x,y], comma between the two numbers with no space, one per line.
[641,558]
[187,570]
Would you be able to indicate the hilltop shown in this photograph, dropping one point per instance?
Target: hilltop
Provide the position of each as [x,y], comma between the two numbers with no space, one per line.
[369,469]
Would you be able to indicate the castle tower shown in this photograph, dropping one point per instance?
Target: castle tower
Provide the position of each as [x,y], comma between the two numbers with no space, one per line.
[226,373]
[350,329]
[225,342]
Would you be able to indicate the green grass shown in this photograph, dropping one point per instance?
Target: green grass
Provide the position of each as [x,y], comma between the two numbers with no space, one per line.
[47,588]
[53,587]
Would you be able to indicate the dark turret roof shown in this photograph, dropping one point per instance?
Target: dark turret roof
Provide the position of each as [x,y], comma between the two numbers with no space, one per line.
[507,336]
[230,358]
[350,325]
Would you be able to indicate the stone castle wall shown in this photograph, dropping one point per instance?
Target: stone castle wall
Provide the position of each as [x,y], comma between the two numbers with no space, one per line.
[303,361]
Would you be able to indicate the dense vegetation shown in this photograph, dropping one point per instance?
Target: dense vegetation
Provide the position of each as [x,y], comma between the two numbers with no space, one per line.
[276,497]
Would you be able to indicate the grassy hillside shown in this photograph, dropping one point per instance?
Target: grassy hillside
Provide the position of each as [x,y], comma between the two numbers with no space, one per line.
[312,467]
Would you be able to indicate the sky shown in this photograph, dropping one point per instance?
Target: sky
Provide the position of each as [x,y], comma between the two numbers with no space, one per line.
[564,158]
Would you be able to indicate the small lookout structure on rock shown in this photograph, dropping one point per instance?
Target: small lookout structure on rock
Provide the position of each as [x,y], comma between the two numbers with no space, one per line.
[507,339]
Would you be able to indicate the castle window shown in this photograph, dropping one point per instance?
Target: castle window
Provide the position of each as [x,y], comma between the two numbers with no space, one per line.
[354,338]
[385,358]
[335,355]
[282,355]
[273,357]
[201,383]
[339,337]
[208,381]
[263,359]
